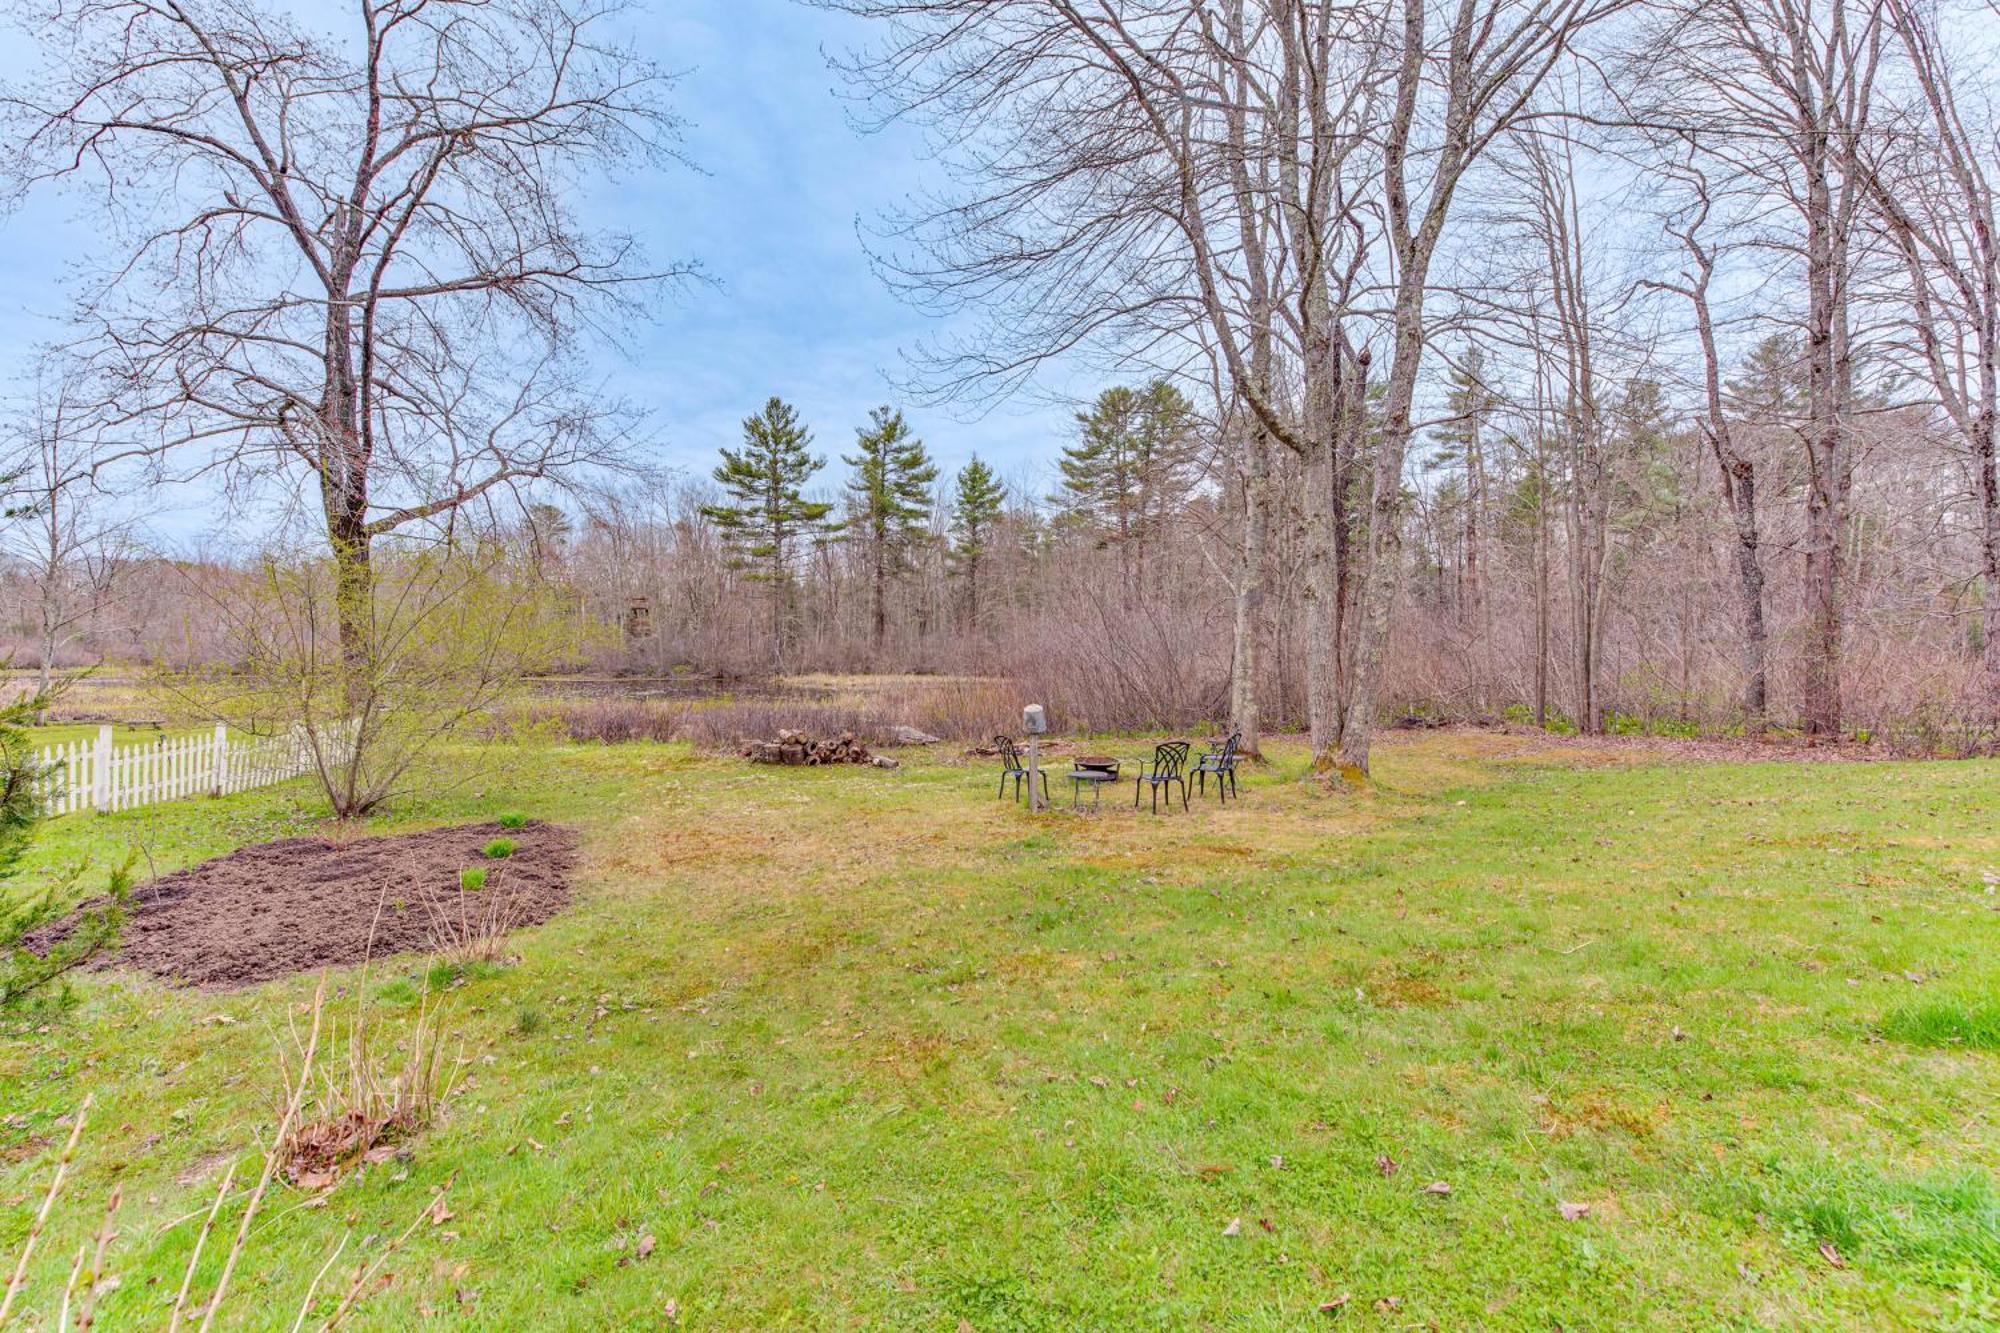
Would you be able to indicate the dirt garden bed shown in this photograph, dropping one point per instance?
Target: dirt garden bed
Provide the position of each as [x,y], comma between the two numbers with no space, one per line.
[297,904]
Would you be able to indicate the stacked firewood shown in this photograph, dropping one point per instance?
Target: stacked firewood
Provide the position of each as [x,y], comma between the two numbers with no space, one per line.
[798,747]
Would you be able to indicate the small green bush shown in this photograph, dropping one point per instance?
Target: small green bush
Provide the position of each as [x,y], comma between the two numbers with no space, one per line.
[473,878]
[500,848]
[512,821]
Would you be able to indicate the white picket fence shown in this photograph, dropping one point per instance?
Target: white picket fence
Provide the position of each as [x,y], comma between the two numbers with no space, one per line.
[102,776]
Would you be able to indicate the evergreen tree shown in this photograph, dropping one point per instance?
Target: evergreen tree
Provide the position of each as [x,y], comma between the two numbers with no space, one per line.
[1641,432]
[548,533]
[768,515]
[890,496]
[26,975]
[1769,387]
[974,511]
[1461,444]
[1130,468]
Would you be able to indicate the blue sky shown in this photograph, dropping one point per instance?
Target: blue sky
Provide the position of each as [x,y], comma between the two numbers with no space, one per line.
[771,213]
[795,310]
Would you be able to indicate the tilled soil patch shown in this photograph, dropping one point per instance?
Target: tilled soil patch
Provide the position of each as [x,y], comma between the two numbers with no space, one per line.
[304,903]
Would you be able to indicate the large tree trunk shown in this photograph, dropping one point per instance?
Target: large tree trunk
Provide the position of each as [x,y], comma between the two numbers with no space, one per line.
[344,465]
[1740,481]
[1380,563]
[1321,592]
[879,606]
[1472,596]
[1828,450]
[1988,465]
[1244,714]
[1542,597]
[353,587]
[1592,552]
[1379,554]
[972,594]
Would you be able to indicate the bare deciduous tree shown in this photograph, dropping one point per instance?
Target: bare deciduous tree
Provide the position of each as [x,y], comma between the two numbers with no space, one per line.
[1780,94]
[349,260]
[1933,189]
[58,530]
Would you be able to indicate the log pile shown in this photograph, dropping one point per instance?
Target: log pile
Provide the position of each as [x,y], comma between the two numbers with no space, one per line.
[801,748]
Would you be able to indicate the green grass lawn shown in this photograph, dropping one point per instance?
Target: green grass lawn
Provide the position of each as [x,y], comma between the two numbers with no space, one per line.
[863,1049]
[61,733]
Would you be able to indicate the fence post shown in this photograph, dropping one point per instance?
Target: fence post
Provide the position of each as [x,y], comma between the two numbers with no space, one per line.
[100,771]
[220,784]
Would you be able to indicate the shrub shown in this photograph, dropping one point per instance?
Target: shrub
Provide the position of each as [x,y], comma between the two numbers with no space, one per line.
[500,848]
[32,980]
[594,721]
[472,879]
[444,638]
[512,821]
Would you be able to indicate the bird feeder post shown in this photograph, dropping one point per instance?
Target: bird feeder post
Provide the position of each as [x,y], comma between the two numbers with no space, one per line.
[1034,721]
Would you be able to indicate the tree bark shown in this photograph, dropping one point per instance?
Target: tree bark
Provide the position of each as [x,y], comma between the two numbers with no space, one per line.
[1244,714]
[1321,593]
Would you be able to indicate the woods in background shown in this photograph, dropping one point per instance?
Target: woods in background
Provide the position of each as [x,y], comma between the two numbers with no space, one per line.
[1600,364]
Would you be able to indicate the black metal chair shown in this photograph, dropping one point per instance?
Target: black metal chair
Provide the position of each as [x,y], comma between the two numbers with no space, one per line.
[1221,761]
[1012,767]
[1168,767]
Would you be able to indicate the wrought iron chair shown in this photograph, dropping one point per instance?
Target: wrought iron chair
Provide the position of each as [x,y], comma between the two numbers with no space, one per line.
[1012,767]
[1168,767]
[1221,761]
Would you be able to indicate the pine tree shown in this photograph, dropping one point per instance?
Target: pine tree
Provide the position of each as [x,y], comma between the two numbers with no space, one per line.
[890,497]
[1130,468]
[974,511]
[1769,387]
[32,982]
[1640,431]
[769,515]
[1461,442]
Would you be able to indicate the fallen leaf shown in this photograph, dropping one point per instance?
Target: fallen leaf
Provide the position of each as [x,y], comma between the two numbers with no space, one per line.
[1386,1164]
[438,1213]
[1437,1187]
[1388,1303]
[1337,1304]
[1572,1211]
[646,1244]
[672,1310]
[1831,1255]
[1235,1227]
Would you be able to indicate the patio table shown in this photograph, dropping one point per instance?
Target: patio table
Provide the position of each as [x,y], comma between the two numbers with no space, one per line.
[1093,771]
